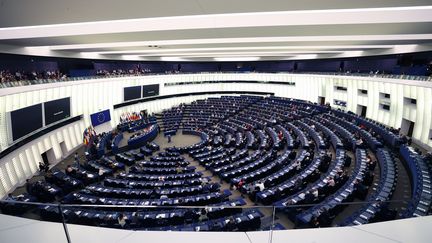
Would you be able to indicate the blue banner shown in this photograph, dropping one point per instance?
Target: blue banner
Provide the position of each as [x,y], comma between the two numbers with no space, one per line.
[100,117]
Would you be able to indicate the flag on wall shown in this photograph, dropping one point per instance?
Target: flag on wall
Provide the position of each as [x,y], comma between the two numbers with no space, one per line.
[101,117]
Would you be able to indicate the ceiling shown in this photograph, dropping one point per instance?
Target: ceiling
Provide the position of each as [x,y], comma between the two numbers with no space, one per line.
[209,30]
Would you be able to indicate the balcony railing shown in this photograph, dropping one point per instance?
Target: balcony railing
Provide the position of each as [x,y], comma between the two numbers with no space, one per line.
[68,79]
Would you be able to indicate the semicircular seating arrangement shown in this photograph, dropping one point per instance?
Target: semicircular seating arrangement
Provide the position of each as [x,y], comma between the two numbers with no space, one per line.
[307,160]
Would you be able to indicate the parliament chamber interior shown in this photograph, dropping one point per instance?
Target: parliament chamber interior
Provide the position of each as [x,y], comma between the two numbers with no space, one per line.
[235,121]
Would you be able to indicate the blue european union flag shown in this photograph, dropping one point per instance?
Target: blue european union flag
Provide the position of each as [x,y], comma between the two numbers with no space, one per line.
[100,117]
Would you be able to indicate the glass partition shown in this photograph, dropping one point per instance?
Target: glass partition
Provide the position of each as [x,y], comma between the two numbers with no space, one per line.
[69,220]
[23,221]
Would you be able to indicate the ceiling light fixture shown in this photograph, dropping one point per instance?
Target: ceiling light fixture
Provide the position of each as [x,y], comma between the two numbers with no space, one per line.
[236,59]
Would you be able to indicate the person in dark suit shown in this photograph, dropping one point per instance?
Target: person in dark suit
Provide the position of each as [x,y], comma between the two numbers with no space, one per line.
[41,166]
[76,159]
[298,184]
[309,198]
[324,218]
[384,213]
[315,175]
[368,178]
[190,215]
[29,186]
[292,155]
[230,224]
[360,190]
[122,220]
[314,223]
[69,170]
[10,197]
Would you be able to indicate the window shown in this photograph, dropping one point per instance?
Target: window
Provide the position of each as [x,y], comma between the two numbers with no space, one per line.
[409,101]
[340,88]
[384,96]
[385,106]
[362,92]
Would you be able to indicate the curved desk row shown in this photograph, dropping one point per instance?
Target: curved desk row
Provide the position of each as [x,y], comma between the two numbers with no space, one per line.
[149,134]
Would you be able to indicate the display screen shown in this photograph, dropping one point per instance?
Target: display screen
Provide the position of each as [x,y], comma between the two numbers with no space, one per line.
[56,110]
[26,120]
[131,93]
[150,90]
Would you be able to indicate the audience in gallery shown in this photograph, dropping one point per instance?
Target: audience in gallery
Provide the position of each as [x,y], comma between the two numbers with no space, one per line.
[10,76]
[120,72]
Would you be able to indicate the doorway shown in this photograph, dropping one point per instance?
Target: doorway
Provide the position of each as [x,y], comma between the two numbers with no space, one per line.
[45,158]
[361,110]
[48,157]
[407,127]
[321,100]
[63,149]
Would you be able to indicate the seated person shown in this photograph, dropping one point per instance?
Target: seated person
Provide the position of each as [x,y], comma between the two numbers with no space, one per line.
[260,186]
[10,197]
[309,198]
[298,166]
[330,185]
[315,194]
[240,184]
[359,143]
[292,155]
[101,172]
[324,218]
[384,213]
[190,215]
[122,220]
[360,190]
[203,215]
[314,223]
[69,170]
[315,175]
[372,164]
[331,182]
[230,224]
[298,184]
[368,178]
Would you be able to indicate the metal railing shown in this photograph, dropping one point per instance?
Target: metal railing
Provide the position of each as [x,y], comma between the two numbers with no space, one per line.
[241,219]
[68,79]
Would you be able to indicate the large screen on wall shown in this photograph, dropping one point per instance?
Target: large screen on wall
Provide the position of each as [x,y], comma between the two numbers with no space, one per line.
[26,120]
[131,93]
[150,90]
[100,117]
[56,110]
